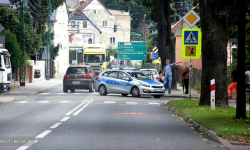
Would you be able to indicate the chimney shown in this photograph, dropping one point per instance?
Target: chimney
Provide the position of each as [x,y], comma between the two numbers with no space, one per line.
[81,2]
[78,12]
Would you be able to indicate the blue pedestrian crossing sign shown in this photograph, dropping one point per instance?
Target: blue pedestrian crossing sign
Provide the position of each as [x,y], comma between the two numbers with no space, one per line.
[191,37]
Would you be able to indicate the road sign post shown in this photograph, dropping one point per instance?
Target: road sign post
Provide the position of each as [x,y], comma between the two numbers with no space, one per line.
[212,95]
[132,51]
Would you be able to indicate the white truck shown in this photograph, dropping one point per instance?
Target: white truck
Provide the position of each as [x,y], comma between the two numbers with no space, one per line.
[5,70]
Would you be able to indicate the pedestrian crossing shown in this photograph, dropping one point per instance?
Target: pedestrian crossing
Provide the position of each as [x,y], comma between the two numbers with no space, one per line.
[42,94]
[95,102]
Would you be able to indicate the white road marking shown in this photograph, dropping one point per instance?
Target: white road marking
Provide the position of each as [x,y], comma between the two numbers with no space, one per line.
[77,93]
[64,101]
[131,103]
[27,145]
[43,134]
[44,93]
[43,102]
[22,102]
[65,118]
[75,108]
[109,102]
[23,148]
[61,93]
[154,103]
[55,125]
[76,113]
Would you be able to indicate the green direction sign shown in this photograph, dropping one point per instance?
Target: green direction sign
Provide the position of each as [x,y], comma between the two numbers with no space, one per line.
[132,51]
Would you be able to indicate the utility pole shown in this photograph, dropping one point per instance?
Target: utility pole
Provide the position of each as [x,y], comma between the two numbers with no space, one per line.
[48,71]
[144,28]
[22,44]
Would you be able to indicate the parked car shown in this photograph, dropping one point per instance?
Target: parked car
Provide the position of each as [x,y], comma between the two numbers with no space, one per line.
[150,72]
[79,77]
[37,73]
[121,82]
[139,75]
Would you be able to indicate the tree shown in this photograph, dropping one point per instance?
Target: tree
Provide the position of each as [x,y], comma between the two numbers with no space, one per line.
[14,49]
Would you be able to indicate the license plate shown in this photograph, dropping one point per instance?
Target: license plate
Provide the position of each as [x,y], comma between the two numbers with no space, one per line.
[158,90]
[75,82]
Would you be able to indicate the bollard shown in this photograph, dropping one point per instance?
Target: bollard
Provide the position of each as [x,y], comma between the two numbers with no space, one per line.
[212,95]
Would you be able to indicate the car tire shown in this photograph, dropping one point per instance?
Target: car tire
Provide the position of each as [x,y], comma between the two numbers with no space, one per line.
[65,90]
[157,96]
[91,88]
[135,92]
[124,94]
[102,90]
[72,90]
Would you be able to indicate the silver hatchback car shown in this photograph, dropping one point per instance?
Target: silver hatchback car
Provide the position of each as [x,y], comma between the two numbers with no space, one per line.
[121,82]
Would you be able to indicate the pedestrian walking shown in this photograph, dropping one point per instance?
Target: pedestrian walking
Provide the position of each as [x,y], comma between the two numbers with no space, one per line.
[233,85]
[247,78]
[185,77]
[161,73]
[168,75]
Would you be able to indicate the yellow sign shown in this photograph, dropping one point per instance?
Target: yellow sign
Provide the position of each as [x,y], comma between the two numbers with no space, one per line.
[155,49]
[191,18]
[190,51]
[191,43]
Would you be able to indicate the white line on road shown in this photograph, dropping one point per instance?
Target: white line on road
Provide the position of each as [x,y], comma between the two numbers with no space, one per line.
[64,101]
[55,125]
[43,102]
[75,108]
[43,134]
[27,145]
[77,93]
[22,102]
[61,93]
[154,103]
[76,113]
[44,94]
[65,118]
[109,102]
[131,103]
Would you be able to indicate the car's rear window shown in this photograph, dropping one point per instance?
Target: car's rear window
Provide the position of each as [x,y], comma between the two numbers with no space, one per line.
[77,70]
[149,72]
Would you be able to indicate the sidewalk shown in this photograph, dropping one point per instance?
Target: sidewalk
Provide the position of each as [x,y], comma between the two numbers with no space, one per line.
[179,93]
[38,86]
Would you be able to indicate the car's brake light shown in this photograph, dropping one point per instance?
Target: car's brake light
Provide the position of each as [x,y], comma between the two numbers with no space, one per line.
[157,77]
[97,77]
[66,76]
[87,76]
[38,72]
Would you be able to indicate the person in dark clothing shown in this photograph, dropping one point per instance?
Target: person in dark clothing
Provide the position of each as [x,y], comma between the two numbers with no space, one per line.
[185,77]
[161,73]
[233,85]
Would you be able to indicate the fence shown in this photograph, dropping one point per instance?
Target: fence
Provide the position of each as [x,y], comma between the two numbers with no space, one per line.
[195,76]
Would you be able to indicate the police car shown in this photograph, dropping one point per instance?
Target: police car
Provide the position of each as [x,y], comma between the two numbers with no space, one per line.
[121,82]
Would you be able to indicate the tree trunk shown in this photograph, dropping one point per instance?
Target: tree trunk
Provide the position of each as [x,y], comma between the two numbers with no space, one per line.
[241,102]
[166,43]
[214,53]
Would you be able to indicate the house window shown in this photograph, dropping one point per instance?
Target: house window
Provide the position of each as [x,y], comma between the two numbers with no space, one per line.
[112,40]
[84,24]
[105,23]
[94,11]
[73,24]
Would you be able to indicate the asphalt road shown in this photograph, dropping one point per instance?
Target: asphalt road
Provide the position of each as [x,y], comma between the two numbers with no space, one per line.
[83,120]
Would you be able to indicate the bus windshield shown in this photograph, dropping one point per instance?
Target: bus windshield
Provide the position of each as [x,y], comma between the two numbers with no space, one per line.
[92,58]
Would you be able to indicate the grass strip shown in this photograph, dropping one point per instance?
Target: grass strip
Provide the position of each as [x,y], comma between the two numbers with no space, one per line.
[221,120]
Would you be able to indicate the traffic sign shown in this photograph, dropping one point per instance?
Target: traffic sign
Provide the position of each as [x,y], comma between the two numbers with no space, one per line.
[80,50]
[155,49]
[191,43]
[155,55]
[191,18]
[1,28]
[132,51]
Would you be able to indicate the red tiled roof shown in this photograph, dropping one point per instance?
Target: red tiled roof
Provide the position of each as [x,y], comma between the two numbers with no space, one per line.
[176,25]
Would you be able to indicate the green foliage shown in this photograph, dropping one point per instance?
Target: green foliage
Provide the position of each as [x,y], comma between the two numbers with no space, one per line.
[14,49]
[111,52]
[54,51]
[221,120]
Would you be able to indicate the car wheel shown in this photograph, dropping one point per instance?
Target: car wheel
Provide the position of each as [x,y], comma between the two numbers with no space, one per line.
[135,92]
[124,94]
[91,88]
[102,90]
[72,90]
[65,90]
[157,96]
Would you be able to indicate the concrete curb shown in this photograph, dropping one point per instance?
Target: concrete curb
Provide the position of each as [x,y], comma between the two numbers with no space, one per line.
[201,128]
